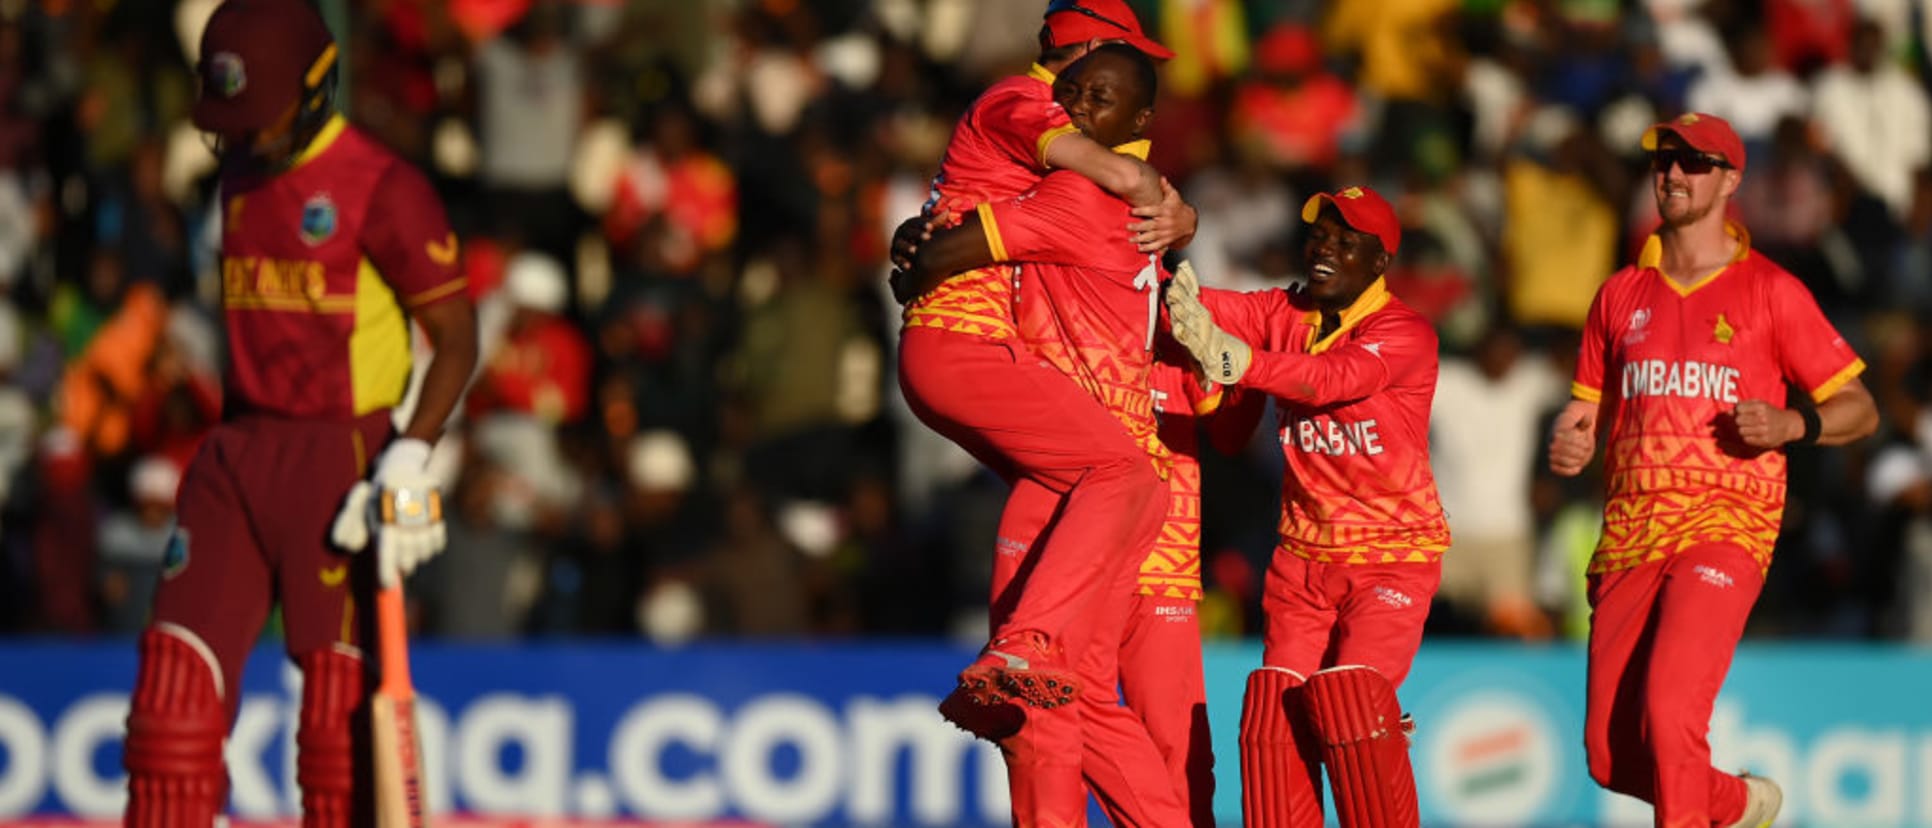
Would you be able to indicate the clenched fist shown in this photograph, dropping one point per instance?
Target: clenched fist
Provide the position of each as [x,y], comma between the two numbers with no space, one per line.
[1574,440]
[1763,425]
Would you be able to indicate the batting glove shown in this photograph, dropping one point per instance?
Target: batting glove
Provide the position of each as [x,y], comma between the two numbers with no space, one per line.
[401,507]
[1223,357]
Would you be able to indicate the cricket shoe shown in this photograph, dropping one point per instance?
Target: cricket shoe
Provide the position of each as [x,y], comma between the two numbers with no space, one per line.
[994,720]
[1026,667]
[1762,801]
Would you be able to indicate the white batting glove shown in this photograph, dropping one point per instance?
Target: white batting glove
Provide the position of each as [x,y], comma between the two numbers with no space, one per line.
[401,507]
[1223,357]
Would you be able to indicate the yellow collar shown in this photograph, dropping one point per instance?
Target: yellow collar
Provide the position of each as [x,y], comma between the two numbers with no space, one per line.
[1652,258]
[1137,149]
[322,140]
[1041,74]
[1373,298]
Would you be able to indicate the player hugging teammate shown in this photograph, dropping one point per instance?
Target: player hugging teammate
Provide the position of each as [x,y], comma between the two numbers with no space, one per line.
[1352,373]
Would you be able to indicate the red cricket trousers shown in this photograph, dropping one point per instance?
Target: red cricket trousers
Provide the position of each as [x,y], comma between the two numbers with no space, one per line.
[1062,451]
[1661,639]
[1095,739]
[255,508]
[1320,615]
[1161,681]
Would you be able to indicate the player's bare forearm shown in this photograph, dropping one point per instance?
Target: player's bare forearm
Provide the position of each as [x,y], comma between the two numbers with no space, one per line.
[451,327]
[949,251]
[1123,175]
[1847,416]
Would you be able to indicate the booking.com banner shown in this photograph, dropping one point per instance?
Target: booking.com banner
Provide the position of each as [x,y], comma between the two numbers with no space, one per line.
[846,735]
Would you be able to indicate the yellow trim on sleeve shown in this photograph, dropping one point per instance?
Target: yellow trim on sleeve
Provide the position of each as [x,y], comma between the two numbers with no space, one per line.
[1210,403]
[425,297]
[1041,74]
[992,229]
[1048,137]
[1586,393]
[1832,386]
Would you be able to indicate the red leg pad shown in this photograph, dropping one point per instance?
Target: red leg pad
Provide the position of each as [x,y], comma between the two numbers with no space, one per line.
[332,736]
[175,727]
[1280,762]
[1359,722]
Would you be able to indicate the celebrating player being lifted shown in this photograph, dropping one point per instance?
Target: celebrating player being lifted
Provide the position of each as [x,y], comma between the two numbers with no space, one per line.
[1687,355]
[1086,311]
[1353,373]
[330,245]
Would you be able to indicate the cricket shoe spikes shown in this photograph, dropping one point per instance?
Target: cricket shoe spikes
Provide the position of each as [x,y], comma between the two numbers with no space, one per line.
[1026,667]
[995,721]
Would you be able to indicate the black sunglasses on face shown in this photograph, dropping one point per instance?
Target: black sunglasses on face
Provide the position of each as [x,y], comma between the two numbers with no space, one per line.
[1692,162]
[1074,6]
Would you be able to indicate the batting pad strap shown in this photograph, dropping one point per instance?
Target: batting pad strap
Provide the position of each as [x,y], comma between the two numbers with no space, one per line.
[175,726]
[1280,762]
[332,732]
[1359,722]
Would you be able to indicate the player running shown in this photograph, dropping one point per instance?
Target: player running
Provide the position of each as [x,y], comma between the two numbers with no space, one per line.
[1687,355]
[1086,309]
[1353,372]
[966,375]
[330,246]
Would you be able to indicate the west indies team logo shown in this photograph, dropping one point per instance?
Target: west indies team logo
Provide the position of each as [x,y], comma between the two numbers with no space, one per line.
[175,557]
[318,219]
[226,75]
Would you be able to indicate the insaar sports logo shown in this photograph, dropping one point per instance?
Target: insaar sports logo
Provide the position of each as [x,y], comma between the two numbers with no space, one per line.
[1493,759]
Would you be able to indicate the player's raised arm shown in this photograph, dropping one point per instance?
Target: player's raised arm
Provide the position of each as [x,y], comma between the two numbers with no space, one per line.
[1132,179]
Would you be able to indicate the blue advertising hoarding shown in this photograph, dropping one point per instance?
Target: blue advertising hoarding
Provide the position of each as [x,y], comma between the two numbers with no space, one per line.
[845,734]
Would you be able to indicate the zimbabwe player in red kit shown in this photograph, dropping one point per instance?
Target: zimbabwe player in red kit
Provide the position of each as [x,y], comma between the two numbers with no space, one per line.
[330,246]
[1353,372]
[1686,357]
[1086,310]
[966,375]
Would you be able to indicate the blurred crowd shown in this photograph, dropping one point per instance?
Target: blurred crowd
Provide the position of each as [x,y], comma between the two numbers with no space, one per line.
[674,218]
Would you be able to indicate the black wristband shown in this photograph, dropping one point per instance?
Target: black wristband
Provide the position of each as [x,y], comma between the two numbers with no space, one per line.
[1813,425]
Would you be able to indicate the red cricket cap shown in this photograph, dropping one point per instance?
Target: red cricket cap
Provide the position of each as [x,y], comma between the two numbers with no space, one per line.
[1704,133]
[1363,209]
[258,58]
[1078,21]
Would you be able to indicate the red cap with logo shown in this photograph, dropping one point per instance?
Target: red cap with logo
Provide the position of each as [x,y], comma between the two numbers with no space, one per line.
[258,58]
[1078,21]
[1364,210]
[1704,133]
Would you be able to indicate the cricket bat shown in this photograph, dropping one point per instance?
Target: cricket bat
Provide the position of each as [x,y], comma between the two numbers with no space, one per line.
[392,714]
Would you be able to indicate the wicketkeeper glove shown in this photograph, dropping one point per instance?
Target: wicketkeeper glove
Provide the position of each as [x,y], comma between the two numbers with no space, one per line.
[1223,357]
[401,506]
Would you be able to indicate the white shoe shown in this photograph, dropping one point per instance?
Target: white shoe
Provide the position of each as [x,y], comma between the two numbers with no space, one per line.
[1762,800]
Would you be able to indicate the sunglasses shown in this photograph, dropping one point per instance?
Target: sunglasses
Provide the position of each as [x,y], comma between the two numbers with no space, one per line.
[1692,162]
[1074,6]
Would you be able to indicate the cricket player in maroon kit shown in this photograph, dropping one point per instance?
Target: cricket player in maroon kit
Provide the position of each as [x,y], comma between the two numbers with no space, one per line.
[1353,372]
[1086,309]
[1702,331]
[330,246]
[966,375]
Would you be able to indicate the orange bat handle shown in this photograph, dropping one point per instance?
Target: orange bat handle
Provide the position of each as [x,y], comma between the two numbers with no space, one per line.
[392,632]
